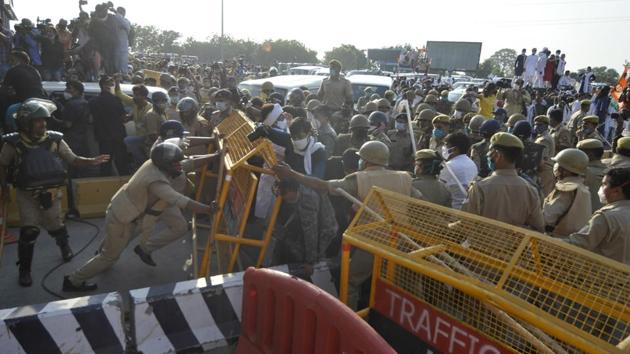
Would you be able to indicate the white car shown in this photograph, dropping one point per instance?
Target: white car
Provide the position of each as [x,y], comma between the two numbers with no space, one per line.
[55,89]
[380,84]
[456,94]
[305,70]
[284,83]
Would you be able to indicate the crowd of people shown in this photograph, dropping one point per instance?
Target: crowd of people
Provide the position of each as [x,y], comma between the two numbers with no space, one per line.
[529,154]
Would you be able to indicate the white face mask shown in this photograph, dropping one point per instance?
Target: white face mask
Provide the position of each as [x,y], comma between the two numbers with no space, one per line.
[222,106]
[458,114]
[400,126]
[446,154]
[67,95]
[300,145]
[316,124]
[602,195]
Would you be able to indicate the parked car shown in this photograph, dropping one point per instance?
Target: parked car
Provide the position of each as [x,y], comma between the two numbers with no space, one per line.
[304,70]
[380,84]
[284,83]
[55,89]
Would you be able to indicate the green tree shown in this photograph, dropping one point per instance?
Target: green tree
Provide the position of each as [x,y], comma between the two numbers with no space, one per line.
[486,68]
[150,39]
[603,74]
[350,57]
[281,50]
[503,62]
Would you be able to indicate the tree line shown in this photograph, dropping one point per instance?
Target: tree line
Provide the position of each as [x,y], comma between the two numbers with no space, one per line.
[150,39]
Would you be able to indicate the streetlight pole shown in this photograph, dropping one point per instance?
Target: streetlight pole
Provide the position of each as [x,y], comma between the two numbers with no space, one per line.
[222,30]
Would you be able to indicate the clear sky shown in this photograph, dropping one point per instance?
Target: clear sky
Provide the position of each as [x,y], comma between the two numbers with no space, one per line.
[590,32]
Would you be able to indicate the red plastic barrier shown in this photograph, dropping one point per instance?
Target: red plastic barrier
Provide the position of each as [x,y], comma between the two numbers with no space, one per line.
[283,315]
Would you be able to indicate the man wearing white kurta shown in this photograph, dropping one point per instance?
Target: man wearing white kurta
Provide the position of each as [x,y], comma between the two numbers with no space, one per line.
[530,68]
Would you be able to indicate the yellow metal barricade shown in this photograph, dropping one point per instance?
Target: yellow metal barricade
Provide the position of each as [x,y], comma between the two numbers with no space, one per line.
[237,190]
[525,291]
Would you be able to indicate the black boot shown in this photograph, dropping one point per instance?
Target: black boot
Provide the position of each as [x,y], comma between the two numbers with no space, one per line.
[25,258]
[84,287]
[145,257]
[61,237]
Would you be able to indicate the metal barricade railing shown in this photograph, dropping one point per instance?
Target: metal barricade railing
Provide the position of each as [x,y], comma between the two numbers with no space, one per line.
[529,292]
[236,189]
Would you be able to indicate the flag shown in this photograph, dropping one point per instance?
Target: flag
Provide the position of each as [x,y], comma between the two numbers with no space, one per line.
[621,84]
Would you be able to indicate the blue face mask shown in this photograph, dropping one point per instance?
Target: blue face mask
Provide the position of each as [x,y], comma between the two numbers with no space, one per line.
[491,165]
[438,133]
[509,130]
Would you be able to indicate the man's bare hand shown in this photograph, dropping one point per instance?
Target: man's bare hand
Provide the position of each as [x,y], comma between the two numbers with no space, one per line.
[282,170]
[101,159]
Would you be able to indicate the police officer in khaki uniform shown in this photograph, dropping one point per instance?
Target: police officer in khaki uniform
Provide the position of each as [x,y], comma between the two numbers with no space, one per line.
[608,231]
[423,128]
[378,128]
[588,129]
[336,90]
[596,170]
[441,128]
[432,100]
[511,122]
[515,98]
[32,161]
[494,197]
[567,208]
[479,150]
[545,172]
[474,127]
[428,167]
[401,150]
[443,105]
[195,125]
[621,158]
[359,127]
[561,136]
[575,122]
[363,100]
[152,183]
[374,156]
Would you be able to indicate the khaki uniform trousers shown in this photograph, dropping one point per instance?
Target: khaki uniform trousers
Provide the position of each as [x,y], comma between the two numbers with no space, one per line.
[119,234]
[31,213]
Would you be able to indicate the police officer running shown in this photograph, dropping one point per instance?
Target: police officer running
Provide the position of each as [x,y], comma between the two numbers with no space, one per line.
[33,157]
[152,183]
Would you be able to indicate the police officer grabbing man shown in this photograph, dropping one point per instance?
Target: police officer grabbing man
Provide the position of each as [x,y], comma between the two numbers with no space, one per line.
[31,160]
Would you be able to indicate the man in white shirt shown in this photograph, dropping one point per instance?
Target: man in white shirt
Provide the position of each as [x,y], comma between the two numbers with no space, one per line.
[560,65]
[530,68]
[460,169]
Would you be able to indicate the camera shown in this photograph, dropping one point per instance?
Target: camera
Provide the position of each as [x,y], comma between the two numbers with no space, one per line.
[259,132]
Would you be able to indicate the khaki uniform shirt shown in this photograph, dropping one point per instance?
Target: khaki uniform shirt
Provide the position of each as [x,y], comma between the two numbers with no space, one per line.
[607,232]
[400,150]
[383,138]
[433,190]
[547,180]
[199,126]
[561,137]
[138,114]
[494,197]
[617,161]
[335,92]
[567,209]
[515,100]
[345,142]
[153,121]
[594,175]
[574,123]
[327,136]
[350,183]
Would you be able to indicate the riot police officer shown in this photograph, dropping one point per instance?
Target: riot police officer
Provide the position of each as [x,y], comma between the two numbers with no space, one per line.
[479,150]
[32,160]
[359,127]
